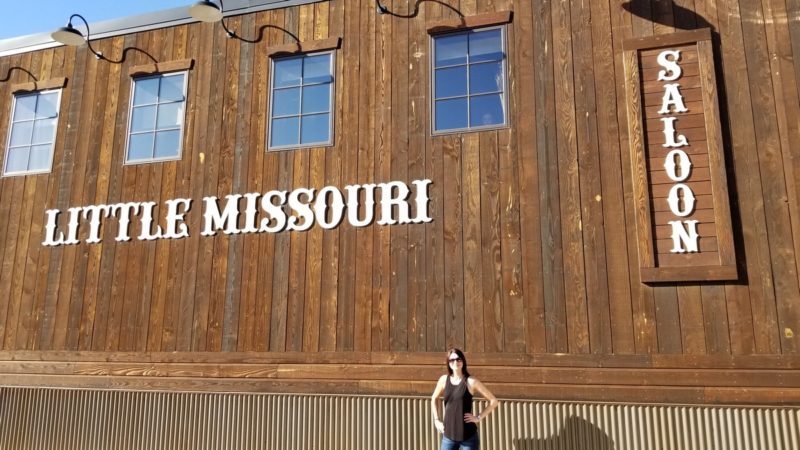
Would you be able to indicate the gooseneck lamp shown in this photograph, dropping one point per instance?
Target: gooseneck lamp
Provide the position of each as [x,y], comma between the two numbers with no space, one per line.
[207,11]
[68,35]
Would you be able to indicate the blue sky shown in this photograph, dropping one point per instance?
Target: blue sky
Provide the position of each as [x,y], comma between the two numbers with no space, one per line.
[21,17]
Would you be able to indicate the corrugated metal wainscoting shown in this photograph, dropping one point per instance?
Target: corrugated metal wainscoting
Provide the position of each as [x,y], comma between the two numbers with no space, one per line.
[76,419]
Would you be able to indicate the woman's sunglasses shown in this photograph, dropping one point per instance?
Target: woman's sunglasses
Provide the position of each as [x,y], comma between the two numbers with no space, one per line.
[455,360]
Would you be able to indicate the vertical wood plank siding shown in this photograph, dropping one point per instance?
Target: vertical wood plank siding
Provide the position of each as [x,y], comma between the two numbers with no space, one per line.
[80,419]
[532,247]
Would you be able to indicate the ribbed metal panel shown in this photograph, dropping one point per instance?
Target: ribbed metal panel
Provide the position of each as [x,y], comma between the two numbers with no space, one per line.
[74,419]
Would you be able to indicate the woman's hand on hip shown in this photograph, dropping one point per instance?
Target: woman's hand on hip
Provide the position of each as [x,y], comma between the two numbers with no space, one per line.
[471,418]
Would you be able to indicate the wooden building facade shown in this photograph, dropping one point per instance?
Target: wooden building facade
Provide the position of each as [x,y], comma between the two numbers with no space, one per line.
[531,261]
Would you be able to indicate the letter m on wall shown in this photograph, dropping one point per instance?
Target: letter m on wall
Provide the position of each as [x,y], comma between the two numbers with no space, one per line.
[683,221]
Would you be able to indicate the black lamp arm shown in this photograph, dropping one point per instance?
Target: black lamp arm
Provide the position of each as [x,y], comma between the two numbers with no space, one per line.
[228,31]
[382,9]
[98,55]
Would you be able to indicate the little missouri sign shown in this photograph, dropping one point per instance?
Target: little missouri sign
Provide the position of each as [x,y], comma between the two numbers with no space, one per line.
[270,212]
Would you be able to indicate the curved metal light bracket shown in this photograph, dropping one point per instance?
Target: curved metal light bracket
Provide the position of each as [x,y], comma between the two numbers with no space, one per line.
[70,36]
[207,11]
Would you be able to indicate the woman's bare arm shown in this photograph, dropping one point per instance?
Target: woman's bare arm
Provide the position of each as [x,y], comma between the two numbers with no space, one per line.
[435,399]
[484,392]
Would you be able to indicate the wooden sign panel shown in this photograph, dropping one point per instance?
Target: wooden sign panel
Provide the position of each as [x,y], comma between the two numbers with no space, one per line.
[683,219]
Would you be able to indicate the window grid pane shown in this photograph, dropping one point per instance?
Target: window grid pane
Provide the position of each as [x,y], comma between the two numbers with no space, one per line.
[169,115]
[451,81]
[286,123]
[475,40]
[25,108]
[32,133]
[285,132]
[46,106]
[17,159]
[39,158]
[140,147]
[286,101]
[43,131]
[143,143]
[21,134]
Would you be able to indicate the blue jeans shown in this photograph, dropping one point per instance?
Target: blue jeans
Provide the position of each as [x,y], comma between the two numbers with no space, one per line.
[473,443]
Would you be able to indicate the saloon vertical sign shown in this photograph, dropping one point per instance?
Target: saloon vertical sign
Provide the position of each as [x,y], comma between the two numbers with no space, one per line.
[677,159]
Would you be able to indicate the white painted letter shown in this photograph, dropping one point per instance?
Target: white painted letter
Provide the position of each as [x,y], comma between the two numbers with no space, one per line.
[250,213]
[173,217]
[353,204]
[672,97]
[669,134]
[125,211]
[215,221]
[321,207]
[421,201]
[683,161]
[94,222]
[274,211]
[147,223]
[675,197]
[72,226]
[302,208]
[671,65]
[388,200]
[50,238]
[681,236]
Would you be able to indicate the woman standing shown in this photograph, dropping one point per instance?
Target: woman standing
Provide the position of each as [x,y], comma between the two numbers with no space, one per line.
[460,426]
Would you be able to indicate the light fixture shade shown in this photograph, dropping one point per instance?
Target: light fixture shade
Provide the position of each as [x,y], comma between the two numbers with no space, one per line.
[68,36]
[206,11]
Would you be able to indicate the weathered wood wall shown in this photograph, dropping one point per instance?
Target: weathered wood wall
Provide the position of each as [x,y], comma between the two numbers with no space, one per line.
[532,250]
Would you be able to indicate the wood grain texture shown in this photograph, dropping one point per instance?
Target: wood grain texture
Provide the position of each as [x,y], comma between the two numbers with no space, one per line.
[531,260]
[529,206]
[550,218]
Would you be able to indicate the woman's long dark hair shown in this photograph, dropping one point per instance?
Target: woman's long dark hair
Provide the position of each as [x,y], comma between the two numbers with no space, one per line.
[463,360]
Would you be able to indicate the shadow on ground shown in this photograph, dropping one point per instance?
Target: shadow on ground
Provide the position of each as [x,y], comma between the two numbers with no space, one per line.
[576,434]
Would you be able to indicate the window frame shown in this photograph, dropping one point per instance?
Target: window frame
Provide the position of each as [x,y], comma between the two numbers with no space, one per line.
[432,82]
[11,126]
[135,79]
[331,100]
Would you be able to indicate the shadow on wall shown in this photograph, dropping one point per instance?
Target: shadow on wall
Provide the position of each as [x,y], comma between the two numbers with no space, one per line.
[678,16]
[576,434]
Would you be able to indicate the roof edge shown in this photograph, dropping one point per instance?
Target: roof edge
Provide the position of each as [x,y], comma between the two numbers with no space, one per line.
[142,22]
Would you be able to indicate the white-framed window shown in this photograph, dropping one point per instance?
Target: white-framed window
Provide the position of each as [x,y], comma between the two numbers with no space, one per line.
[301,101]
[155,126]
[32,133]
[469,80]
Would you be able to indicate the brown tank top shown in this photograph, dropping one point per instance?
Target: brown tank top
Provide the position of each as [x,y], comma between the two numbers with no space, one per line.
[457,402]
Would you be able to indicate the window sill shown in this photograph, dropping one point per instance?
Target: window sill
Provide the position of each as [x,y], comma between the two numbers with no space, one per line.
[151,161]
[24,174]
[299,147]
[470,130]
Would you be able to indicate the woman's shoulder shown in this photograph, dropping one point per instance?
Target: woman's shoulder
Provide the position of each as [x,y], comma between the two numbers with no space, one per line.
[472,381]
[443,379]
